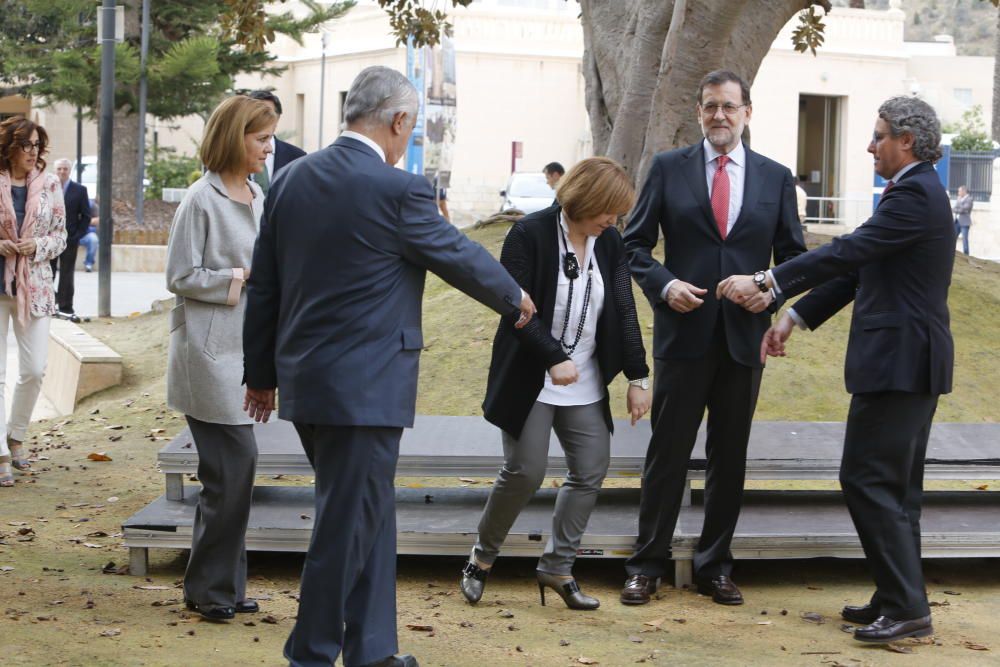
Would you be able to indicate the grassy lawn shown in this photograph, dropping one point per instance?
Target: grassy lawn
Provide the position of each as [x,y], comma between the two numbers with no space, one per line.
[808,385]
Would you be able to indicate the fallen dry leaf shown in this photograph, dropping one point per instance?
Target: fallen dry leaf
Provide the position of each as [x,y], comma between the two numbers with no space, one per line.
[111,632]
[152,588]
[975,647]
[419,628]
[812,617]
[587,661]
[98,456]
[896,648]
[656,623]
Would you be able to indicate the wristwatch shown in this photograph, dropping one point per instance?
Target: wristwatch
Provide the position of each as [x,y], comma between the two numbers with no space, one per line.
[641,383]
[760,280]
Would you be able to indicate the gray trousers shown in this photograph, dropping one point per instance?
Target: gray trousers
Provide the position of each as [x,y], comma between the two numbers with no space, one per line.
[216,574]
[585,439]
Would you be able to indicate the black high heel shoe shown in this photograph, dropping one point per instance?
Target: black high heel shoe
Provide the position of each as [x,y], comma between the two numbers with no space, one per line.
[567,589]
[473,581]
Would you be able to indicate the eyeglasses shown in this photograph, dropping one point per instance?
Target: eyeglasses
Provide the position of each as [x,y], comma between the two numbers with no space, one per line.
[29,147]
[728,108]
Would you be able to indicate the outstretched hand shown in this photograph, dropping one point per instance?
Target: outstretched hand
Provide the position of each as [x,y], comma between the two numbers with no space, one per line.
[773,344]
[527,310]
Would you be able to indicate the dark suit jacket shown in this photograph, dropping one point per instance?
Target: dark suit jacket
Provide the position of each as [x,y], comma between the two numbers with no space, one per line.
[896,267]
[521,356]
[284,153]
[674,201]
[335,293]
[77,212]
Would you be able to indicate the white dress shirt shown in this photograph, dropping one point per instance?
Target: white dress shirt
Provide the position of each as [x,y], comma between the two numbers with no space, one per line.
[269,162]
[736,169]
[357,136]
[589,388]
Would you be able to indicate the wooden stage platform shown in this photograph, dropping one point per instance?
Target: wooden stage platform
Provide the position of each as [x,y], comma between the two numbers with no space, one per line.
[442,521]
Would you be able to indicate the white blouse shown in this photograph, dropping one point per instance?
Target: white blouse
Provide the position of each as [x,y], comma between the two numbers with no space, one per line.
[589,388]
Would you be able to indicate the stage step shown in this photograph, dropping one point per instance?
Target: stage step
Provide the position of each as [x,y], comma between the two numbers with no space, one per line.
[442,521]
[470,447]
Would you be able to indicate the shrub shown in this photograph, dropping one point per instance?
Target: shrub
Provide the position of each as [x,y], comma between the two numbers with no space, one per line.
[170,171]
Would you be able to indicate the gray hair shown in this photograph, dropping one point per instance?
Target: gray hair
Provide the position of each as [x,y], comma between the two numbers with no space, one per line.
[914,116]
[62,160]
[377,95]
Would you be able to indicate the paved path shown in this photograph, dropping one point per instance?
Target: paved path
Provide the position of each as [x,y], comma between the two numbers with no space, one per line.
[130,293]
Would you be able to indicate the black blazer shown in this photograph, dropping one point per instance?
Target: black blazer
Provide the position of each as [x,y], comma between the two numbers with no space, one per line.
[674,201]
[896,267]
[77,212]
[284,153]
[522,356]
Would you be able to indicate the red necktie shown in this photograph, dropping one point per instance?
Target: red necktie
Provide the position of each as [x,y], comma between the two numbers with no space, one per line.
[888,186]
[720,195]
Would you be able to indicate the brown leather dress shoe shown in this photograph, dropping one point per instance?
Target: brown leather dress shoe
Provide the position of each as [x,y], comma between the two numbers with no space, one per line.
[885,630]
[722,589]
[863,615]
[638,589]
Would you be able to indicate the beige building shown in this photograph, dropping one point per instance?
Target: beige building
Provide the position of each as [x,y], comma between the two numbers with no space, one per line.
[518,68]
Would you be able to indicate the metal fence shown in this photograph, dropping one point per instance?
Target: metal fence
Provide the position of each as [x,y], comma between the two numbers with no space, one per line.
[974,170]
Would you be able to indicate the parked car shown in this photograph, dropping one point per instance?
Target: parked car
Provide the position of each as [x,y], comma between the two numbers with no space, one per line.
[527,192]
[88,178]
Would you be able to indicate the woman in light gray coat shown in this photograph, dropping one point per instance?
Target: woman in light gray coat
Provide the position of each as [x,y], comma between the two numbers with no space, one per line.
[208,261]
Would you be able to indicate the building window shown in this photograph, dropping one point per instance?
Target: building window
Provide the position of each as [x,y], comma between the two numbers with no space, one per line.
[963,96]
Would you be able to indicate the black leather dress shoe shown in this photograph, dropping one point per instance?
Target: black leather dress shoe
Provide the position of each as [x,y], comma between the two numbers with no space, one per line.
[638,589]
[405,660]
[863,615]
[247,607]
[213,614]
[885,630]
[722,589]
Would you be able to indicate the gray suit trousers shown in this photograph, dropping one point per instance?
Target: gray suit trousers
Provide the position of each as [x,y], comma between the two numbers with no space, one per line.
[216,573]
[585,439]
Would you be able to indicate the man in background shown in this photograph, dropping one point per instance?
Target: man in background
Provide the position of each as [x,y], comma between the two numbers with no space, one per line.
[77,224]
[281,153]
[553,172]
[963,216]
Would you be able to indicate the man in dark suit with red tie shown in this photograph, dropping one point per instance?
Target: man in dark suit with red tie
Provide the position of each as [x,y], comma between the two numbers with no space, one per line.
[896,268]
[719,206]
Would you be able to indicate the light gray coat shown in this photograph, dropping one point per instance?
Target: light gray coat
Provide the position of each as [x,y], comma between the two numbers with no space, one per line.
[963,211]
[210,236]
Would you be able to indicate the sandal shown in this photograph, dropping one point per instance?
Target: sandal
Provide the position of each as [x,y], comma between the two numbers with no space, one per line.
[17,457]
[6,476]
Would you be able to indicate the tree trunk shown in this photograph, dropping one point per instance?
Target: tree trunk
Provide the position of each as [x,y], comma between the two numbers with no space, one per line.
[126,145]
[996,84]
[643,60]
[856,4]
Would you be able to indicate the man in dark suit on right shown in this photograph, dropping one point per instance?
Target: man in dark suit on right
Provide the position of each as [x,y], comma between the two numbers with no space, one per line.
[282,152]
[718,206]
[896,268]
[333,321]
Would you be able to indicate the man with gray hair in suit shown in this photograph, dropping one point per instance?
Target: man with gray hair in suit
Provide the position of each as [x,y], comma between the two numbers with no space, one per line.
[333,322]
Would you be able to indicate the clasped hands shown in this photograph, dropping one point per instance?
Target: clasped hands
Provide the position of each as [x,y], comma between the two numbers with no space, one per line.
[13,248]
[745,292]
[684,297]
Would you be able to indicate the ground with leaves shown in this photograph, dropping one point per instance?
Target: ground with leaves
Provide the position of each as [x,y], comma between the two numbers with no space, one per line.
[67,601]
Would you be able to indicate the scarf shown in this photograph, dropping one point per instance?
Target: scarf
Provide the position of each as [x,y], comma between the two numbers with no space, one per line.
[17,266]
